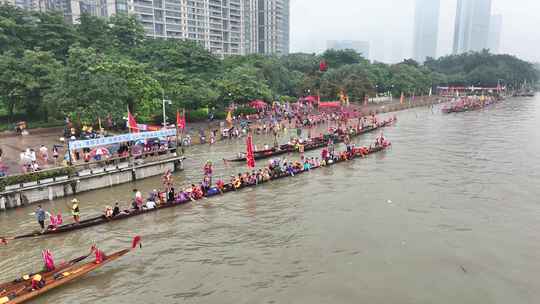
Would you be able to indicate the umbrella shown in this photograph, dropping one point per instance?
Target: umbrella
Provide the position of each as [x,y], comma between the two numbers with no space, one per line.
[258,104]
[99,151]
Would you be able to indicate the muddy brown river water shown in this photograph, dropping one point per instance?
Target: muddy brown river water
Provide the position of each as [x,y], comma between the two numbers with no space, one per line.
[451,214]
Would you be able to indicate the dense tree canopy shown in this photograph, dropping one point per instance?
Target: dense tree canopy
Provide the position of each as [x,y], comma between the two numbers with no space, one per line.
[99,67]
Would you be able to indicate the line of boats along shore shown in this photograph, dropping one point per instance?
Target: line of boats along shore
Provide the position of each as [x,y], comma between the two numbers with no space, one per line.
[34,284]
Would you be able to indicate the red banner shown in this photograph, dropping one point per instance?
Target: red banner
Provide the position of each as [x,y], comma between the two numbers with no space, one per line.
[132,123]
[181,120]
[330,104]
[250,157]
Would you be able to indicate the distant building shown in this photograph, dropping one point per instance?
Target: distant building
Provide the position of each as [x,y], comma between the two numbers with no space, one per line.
[361,47]
[225,27]
[426,29]
[494,38]
[472,25]
[272,24]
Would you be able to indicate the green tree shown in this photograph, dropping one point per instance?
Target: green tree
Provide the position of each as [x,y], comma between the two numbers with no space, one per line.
[24,81]
[351,79]
[242,84]
[97,84]
[338,58]
[126,31]
[95,32]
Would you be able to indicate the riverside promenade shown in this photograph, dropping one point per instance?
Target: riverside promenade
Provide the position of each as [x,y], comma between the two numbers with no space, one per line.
[13,144]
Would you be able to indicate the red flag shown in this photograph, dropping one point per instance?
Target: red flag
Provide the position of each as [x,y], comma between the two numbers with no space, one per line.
[132,123]
[136,241]
[250,157]
[181,120]
[323,66]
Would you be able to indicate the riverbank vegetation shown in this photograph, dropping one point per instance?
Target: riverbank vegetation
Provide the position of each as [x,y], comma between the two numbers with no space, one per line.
[50,69]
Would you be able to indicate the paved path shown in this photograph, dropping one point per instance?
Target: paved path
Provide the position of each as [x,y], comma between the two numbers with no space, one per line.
[12,144]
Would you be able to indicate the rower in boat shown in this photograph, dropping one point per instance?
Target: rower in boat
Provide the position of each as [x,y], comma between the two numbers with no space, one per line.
[237,181]
[196,192]
[167,179]
[75,212]
[134,205]
[170,195]
[208,170]
[379,142]
[99,254]
[150,205]
[37,282]
[138,199]
[40,217]
[220,185]
[116,210]
[205,184]
[108,213]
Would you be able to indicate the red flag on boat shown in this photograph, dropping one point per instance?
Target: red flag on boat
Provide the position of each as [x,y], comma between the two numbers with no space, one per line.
[136,241]
[181,120]
[250,157]
[132,123]
[48,259]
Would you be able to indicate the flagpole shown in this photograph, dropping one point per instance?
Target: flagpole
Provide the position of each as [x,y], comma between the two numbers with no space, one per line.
[177,146]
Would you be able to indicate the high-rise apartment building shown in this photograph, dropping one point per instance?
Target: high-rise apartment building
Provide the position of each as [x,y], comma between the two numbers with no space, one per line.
[362,47]
[71,9]
[271,23]
[225,27]
[426,29]
[472,25]
[215,24]
[494,38]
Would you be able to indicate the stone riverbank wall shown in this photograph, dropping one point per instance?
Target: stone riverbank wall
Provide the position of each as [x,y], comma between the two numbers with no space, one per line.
[85,180]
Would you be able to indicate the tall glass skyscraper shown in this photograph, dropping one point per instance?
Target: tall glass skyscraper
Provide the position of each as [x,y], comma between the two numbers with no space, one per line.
[426,29]
[472,25]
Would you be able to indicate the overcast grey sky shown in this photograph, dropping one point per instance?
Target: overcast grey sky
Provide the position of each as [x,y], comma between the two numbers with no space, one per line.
[388,26]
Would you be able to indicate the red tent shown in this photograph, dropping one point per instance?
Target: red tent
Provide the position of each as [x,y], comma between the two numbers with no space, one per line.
[310,99]
[258,104]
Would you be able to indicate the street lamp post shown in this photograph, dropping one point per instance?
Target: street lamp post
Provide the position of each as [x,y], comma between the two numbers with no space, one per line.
[163,101]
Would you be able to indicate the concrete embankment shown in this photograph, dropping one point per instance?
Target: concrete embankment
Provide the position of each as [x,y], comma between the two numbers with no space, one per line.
[85,180]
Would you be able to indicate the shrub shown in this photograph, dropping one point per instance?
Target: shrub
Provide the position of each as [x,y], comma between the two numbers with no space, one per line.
[34,176]
[197,115]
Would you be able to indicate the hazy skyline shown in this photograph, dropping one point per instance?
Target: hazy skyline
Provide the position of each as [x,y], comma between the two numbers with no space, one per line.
[388,25]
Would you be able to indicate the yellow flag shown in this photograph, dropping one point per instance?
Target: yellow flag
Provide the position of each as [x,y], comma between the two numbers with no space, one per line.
[229,117]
